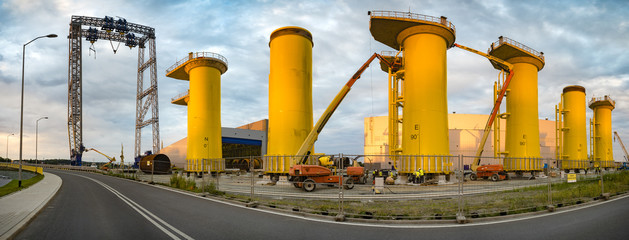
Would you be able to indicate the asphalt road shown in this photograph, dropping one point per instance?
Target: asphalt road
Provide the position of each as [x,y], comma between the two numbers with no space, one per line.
[101,207]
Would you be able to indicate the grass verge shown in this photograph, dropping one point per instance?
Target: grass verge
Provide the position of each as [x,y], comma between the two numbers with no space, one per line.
[12,186]
[188,184]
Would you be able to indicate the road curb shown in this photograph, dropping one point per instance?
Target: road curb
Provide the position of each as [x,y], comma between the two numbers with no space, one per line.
[56,183]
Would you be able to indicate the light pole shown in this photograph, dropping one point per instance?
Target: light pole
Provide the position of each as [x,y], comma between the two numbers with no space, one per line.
[37,135]
[19,182]
[8,144]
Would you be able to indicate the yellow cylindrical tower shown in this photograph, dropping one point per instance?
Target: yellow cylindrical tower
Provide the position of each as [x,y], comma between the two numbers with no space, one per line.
[425,112]
[424,41]
[603,153]
[574,150]
[290,96]
[204,71]
[522,147]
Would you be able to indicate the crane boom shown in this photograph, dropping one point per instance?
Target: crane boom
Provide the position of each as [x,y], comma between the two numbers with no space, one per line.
[507,67]
[622,145]
[502,63]
[308,143]
[108,157]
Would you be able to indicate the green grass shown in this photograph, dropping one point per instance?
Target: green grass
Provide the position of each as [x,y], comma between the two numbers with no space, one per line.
[12,186]
[190,185]
[131,176]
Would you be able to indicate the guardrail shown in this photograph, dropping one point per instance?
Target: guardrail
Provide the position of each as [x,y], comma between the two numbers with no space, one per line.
[198,55]
[183,94]
[392,53]
[74,168]
[413,16]
[503,40]
[605,98]
[24,167]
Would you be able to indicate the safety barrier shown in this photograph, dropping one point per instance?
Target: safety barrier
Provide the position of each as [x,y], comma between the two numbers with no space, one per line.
[282,163]
[72,168]
[205,165]
[25,167]
[504,40]
[412,16]
[195,55]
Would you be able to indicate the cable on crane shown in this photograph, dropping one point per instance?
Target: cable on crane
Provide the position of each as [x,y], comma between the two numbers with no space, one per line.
[92,49]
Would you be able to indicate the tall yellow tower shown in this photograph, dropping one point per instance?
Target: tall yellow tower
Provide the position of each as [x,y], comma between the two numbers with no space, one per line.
[203,70]
[424,41]
[290,96]
[603,155]
[574,133]
[522,147]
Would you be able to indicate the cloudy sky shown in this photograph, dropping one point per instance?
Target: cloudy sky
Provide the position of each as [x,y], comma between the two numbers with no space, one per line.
[584,42]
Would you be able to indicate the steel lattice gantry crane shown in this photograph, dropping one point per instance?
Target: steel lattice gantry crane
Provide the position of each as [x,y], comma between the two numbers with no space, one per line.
[131,34]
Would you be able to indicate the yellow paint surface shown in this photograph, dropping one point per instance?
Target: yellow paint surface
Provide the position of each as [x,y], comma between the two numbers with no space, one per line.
[574,129]
[290,95]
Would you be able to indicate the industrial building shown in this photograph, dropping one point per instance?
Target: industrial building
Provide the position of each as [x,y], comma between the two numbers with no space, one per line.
[244,141]
[465,131]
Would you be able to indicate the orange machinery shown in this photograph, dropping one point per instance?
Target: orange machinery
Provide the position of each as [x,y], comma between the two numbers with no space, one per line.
[494,172]
[307,176]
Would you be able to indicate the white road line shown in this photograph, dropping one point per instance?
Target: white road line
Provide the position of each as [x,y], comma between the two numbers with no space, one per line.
[153,215]
[142,211]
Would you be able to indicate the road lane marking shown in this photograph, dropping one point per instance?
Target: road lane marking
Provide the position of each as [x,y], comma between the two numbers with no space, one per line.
[149,213]
[142,211]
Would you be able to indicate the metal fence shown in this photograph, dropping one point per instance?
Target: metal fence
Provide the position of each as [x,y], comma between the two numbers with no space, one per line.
[382,192]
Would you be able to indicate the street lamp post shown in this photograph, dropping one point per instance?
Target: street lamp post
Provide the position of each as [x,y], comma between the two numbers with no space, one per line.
[8,144]
[37,135]
[19,183]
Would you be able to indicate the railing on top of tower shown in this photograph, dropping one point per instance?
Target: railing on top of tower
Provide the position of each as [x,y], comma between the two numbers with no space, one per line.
[503,40]
[181,95]
[413,16]
[198,55]
[391,54]
[605,98]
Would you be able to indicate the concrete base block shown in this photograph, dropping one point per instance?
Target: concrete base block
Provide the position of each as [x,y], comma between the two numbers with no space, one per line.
[401,180]
[253,204]
[441,179]
[266,180]
[605,196]
[550,208]
[461,219]
[339,218]
[283,181]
